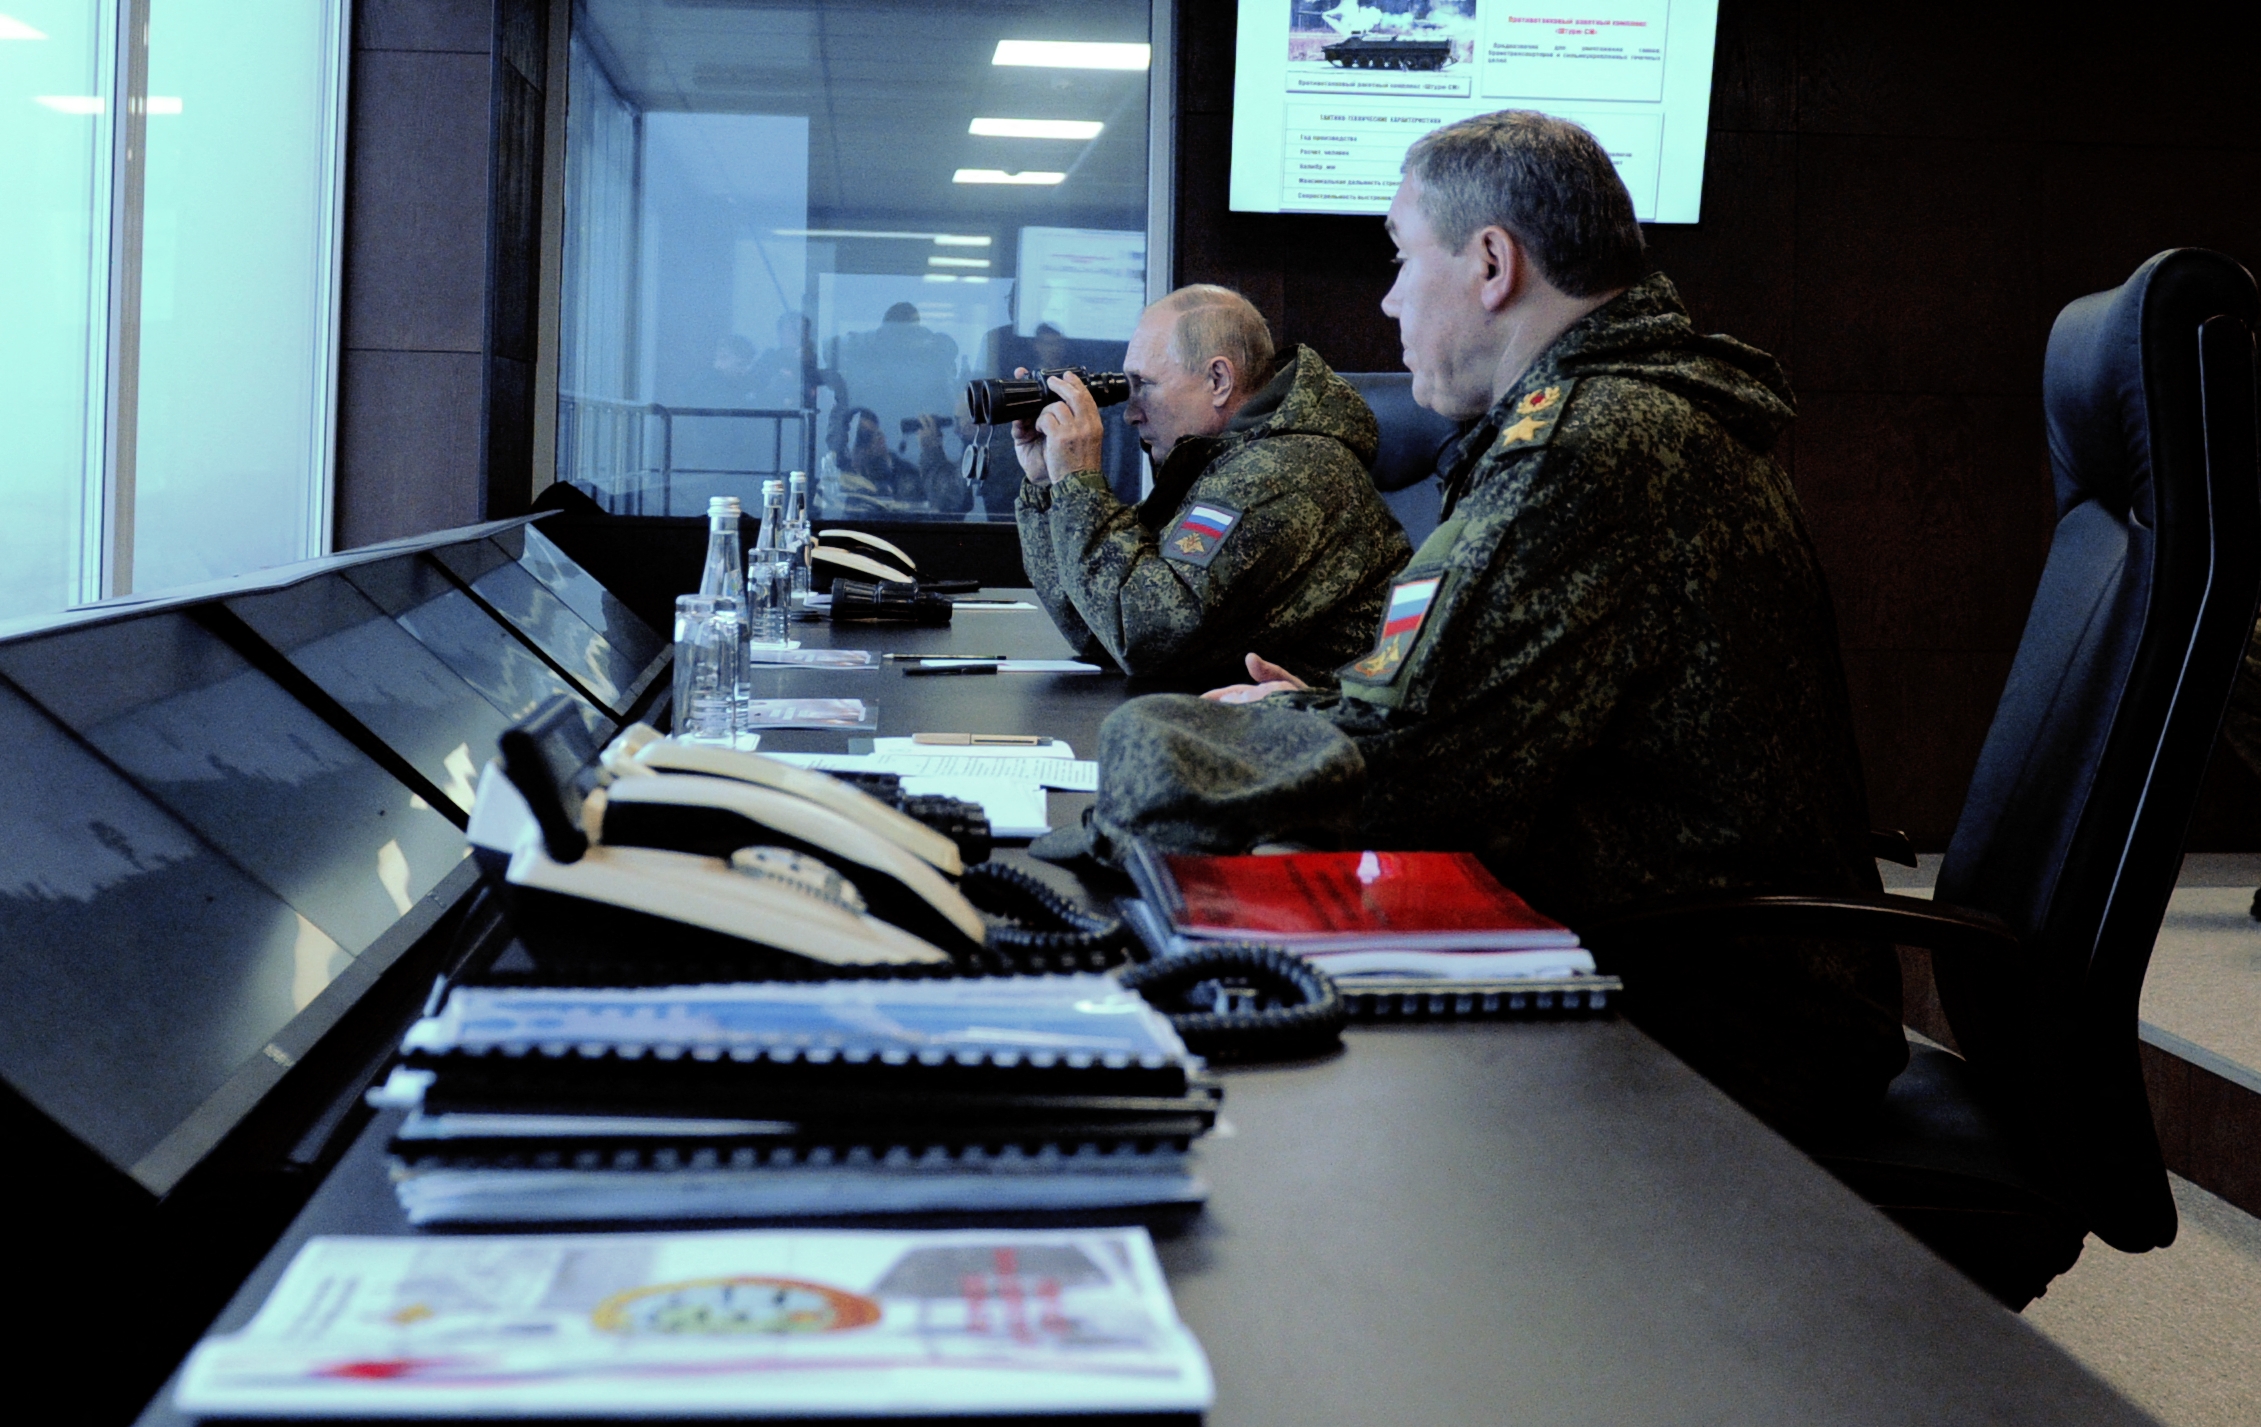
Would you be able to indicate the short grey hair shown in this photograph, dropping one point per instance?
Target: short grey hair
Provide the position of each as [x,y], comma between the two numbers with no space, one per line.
[1548,182]
[1216,321]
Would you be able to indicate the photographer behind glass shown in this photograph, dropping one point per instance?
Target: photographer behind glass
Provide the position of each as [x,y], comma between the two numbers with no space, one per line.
[1263,529]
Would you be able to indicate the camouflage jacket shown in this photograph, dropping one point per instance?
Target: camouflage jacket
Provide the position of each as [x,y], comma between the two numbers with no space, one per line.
[1613,672]
[1269,536]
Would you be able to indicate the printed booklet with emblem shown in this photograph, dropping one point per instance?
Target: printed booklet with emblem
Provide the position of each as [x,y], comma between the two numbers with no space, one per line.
[740,1325]
[1356,913]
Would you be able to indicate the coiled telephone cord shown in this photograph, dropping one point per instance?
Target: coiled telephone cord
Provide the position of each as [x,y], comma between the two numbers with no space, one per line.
[1042,930]
[1311,1024]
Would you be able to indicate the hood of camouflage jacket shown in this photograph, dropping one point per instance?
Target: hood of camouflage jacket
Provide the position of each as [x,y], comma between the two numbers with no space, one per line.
[1303,398]
[1644,333]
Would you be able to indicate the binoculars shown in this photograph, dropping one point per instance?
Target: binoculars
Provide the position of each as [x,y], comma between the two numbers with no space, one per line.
[997,400]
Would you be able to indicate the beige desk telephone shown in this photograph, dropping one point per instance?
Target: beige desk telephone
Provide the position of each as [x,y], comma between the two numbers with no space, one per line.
[744,855]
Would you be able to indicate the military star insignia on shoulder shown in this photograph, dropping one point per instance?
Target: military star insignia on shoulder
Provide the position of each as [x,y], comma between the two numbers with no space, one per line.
[1536,413]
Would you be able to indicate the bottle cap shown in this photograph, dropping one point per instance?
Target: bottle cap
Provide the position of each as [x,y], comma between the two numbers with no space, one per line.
[724,505]
[799,478]
[773,487]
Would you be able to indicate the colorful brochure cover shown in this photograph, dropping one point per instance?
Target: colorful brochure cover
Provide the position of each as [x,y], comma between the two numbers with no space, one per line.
[744,1325]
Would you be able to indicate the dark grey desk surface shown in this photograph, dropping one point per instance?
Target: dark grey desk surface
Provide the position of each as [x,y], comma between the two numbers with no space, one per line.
[1498,1223]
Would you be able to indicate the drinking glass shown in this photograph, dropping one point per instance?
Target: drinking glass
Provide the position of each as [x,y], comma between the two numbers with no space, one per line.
[769,597]
[708,671]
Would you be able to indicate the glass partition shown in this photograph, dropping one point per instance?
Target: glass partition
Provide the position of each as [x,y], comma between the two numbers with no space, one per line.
[232,421]
[54,248]
[795,231]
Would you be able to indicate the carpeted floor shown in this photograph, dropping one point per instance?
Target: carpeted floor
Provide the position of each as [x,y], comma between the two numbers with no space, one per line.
[2178,1329]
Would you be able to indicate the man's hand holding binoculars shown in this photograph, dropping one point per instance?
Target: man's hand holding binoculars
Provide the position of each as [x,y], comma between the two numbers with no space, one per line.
[1065,439]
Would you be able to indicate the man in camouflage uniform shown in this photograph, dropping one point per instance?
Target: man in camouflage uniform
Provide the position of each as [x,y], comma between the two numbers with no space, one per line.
[1263,530]
[1613,670]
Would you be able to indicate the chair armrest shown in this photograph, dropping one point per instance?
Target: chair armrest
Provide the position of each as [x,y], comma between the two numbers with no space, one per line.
[1905,921]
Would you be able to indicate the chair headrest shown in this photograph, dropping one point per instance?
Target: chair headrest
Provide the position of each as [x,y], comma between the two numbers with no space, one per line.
[1413,437]
[2093,388]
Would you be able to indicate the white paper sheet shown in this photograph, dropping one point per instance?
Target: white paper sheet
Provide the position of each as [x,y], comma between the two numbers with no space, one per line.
[1050,748]
[1020,666]
[1070,775]
[750,1324]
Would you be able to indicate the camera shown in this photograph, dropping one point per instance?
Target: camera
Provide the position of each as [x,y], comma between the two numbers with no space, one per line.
[997,400]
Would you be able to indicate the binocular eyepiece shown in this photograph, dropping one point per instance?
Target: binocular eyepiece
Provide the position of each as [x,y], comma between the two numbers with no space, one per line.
[997,400]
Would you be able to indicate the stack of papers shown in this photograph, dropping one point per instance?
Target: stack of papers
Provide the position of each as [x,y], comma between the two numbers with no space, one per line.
[1009,782]
[739,1325]
[793,1098]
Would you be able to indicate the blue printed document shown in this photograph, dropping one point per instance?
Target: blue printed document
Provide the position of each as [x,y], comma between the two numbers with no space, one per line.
[1078,1020]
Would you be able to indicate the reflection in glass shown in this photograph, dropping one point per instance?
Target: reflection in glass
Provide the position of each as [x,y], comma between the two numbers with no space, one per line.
[398,689]
[54,252]
[636,640]
[469,641]
[232,754]
[587,657]
[140,968]
[782,252]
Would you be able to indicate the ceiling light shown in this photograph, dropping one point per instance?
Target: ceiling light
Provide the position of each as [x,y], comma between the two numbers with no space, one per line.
[72,103]
[941,277]
[960,240]
[957,262]
[1036,178]
[1036,128]
[1071,54]
[164,104]
[12,28]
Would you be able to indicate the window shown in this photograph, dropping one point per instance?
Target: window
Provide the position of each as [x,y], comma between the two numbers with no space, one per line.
[166,328]
[795,231]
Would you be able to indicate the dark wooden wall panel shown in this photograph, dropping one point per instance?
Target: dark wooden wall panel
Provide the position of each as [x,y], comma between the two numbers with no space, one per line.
[1899,220]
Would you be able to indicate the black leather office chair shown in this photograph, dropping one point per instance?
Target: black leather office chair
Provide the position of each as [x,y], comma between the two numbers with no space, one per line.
[2055,882]
[1414,440]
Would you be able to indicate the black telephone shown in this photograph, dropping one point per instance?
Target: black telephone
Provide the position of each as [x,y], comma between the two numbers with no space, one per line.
[665,861]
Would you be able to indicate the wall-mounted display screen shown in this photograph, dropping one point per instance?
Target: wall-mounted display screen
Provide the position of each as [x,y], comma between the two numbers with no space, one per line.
[1328,95]
[140,967]
[472,642]
[398,689]
[255,773]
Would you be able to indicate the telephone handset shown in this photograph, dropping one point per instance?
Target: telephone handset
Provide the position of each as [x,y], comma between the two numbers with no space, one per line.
[640,749]
[714,817]
[642,874]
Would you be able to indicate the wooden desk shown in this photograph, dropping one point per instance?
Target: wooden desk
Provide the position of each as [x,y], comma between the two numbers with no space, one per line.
[1505,1223]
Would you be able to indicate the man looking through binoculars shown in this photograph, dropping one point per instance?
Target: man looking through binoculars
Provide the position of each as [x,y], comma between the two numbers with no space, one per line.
[1263,529]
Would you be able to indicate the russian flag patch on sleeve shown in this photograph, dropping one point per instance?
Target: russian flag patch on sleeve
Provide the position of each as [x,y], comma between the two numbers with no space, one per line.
[1401,626]
[1200,532]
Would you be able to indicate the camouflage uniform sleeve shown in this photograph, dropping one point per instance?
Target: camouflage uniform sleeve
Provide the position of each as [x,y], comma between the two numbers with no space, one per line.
[1030,512]
[1154,609]
[1535,628]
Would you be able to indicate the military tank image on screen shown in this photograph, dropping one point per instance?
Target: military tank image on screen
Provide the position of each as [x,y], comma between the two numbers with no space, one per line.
[1364,51]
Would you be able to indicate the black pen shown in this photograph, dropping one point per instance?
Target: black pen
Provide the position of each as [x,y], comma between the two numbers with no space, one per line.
[916,658]
[921,669]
